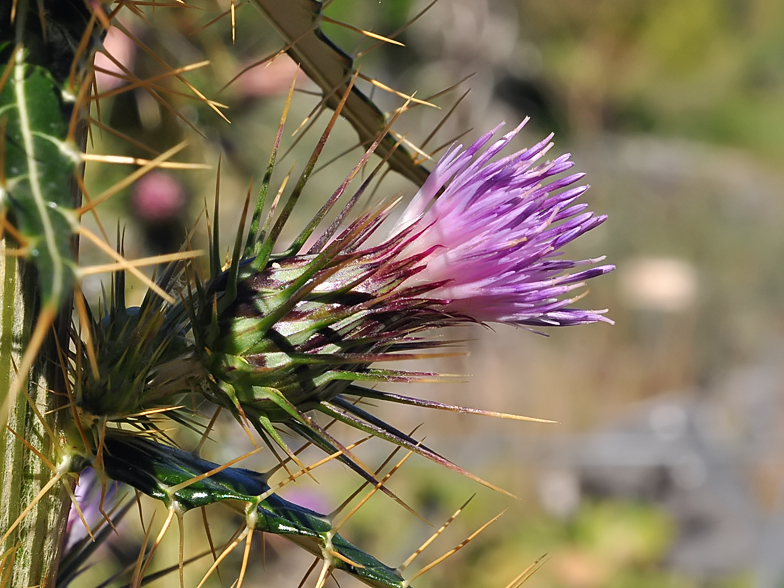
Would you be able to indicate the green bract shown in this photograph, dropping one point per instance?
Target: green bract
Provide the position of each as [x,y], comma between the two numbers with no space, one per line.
[155,469]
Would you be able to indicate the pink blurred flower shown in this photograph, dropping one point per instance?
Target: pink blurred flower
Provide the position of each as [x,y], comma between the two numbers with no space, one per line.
[118,45]
[158,197]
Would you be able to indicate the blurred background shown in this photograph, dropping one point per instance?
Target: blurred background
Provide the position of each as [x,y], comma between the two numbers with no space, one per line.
[665,468]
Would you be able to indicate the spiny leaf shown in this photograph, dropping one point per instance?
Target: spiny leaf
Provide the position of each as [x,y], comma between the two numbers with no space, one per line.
[157,469]
[37,170]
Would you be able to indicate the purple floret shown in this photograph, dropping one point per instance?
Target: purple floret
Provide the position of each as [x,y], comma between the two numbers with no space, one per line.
[493,236]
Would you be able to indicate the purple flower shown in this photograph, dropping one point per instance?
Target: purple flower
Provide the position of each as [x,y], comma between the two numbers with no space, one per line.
[491,241]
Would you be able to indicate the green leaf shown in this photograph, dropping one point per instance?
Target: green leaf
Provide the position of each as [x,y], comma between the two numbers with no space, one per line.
[37,173]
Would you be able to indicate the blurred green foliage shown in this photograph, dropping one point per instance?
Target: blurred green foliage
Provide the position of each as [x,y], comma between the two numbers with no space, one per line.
[704,69]
[604,544]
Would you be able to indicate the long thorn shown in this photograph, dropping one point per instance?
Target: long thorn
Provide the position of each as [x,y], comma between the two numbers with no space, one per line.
[120,259]
[527,573]
[136,577]
[206,435]
[369,34]
[158,539]
[75,503]
[172,490]
[38,454]
[32,504]
[325,571]
[223,556]
[209,536]
[245,557]
[310,571]
[181,554]
[135,263]
[121,185]
[124,160]
[454,550]
[401,568]
[397,32]
[86,332]
[368,496]
[42,325]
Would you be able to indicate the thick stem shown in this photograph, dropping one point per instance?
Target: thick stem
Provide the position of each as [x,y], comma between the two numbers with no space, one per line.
[37,539]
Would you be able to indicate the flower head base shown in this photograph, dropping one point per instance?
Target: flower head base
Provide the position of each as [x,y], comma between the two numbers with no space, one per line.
[494,235]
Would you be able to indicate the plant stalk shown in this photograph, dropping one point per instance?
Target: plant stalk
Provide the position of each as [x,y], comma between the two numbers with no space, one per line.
[32,549]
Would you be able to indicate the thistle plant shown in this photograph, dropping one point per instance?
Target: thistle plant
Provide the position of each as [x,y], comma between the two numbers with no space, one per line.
[275,334]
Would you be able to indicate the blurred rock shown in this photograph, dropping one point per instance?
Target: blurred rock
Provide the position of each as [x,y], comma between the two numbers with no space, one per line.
[662,284]
[698,456]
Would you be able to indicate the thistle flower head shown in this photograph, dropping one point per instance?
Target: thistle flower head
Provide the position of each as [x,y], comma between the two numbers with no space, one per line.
[492,237]
[481,241]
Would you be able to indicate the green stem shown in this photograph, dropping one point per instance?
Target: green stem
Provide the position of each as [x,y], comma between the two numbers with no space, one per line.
[38,538]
